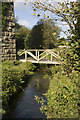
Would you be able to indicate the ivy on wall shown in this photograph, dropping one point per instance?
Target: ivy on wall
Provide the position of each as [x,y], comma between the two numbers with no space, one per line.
[5,8]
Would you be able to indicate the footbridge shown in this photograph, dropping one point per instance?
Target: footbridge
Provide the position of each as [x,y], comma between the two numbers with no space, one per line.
[42,56]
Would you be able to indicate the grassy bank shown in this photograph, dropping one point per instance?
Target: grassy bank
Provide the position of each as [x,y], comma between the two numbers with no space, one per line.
[14,76]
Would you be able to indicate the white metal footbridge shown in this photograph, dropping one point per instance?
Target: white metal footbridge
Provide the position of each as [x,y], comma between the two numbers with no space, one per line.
[43,56]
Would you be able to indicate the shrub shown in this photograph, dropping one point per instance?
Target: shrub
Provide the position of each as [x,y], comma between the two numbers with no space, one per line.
[13,74]
[62,96]
[16,62]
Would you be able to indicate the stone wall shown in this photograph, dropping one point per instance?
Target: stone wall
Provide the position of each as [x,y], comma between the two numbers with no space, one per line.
[8,36]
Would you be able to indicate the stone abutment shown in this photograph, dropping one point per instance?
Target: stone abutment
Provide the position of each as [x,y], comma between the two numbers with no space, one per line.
[8,44]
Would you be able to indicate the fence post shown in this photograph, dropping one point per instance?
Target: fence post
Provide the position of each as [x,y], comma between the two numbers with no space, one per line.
[25,56]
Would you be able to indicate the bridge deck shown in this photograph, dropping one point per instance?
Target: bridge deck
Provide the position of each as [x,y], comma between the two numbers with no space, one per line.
[42,62]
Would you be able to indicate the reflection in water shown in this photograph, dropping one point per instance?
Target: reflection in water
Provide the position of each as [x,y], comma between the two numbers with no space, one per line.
[24,105]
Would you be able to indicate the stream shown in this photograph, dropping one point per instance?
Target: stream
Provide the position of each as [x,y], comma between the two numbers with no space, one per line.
[24,105]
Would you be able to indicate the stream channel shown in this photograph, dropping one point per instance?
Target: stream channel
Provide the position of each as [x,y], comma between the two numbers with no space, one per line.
[24,105]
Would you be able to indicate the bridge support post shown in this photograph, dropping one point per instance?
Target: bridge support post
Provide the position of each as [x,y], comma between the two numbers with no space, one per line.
[51,56]
[38,55]
[46,54]
[58,53]
[25,56]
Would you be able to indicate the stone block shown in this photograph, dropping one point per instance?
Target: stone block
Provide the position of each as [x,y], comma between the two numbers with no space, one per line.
[14,51]
[13,30]
[10,35]
[13,24]
[13,45]
[10,24]
[5,38]
[6,33]
[9,28]
[14,41]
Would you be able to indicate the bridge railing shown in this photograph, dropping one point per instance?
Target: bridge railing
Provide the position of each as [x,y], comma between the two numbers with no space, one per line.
[40,55]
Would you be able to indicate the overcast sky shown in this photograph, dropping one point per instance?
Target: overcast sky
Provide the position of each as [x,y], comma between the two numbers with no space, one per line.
[26,18]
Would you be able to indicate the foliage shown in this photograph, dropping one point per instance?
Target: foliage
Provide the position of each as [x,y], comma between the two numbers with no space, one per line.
[36,37]
[64,10]
[61,41]
[14,74]
[20,35]
[5,8]
[50,34]
[27,40]
[64,90]
[68,12]
[62,96]
[44,35]
[73,54]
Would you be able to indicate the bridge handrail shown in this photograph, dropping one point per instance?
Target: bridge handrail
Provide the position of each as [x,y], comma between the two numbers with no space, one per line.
[42,53]
[20,52]
[44,56]
[39,56]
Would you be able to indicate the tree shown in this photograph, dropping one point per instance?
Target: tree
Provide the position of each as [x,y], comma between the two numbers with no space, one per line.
[20,35]
[50,34]
[36,37]
[27,40]
[64,10]
[44,35]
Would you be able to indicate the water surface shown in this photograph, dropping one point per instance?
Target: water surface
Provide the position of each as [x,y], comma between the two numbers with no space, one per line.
[24,105]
